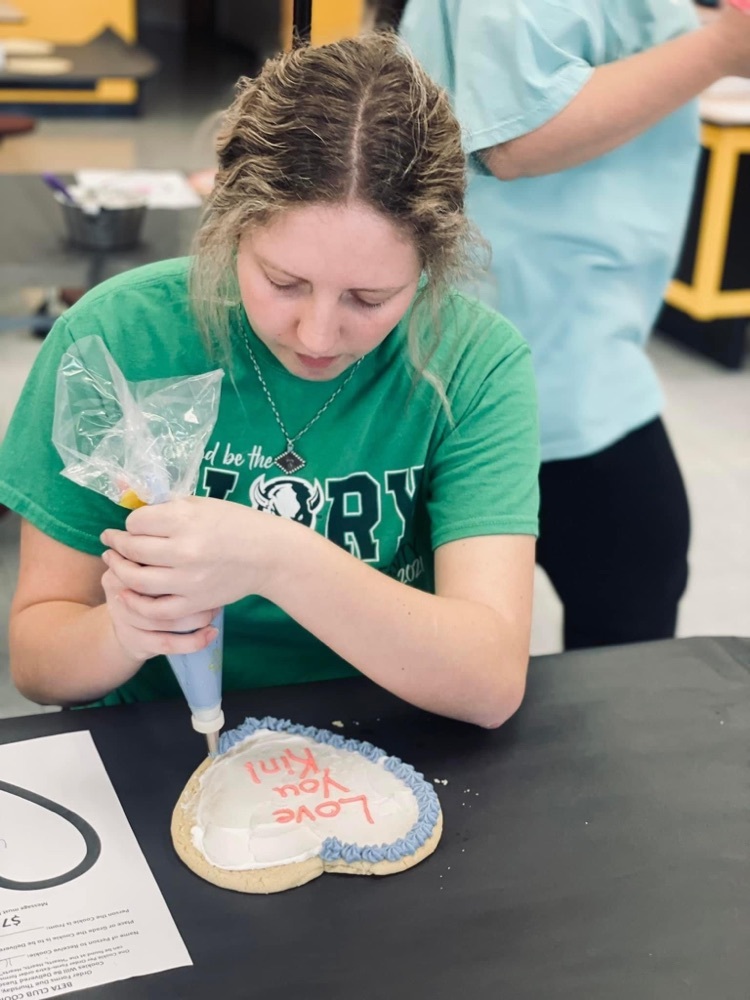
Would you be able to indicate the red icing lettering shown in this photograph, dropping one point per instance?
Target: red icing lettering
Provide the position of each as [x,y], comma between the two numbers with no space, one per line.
[304,813]
[328,806]
[308,760]
[284,790]
[287,765]
[328,782]
[312,785]
[266,767]
[363,800]
[250,768]
[325,785]
[325,810]
[275,764]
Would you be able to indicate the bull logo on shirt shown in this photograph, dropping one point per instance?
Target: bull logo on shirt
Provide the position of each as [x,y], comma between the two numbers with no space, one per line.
[289,497]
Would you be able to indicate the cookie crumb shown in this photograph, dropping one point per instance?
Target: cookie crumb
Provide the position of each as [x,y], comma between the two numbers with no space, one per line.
[338,724]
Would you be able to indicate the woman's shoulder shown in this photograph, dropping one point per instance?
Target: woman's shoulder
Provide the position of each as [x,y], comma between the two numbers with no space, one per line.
[473,333]
[470,353]
[164,280]
[145,319]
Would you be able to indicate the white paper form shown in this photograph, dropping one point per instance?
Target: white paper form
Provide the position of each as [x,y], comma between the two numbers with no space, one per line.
[159,188]
[79,906]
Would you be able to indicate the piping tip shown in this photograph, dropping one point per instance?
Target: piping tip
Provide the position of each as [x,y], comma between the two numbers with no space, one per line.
[212,741]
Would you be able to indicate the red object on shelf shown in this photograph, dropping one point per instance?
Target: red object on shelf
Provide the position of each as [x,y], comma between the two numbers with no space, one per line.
[15,125]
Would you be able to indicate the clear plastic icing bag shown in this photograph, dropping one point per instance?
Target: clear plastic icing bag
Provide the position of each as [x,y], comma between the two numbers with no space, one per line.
[134,442]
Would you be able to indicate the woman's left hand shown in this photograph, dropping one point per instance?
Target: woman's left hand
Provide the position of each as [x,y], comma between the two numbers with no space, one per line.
[191,554]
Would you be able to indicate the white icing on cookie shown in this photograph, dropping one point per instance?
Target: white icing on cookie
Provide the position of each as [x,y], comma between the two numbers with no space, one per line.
[274,798]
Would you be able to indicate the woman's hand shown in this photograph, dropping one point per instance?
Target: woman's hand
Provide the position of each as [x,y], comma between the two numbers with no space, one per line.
[732,27]
[184,557]
[142,631]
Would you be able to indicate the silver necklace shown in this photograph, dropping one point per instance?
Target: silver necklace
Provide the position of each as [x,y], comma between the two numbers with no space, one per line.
[290,460]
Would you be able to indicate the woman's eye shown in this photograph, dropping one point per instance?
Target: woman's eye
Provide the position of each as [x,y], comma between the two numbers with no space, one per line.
[368,305]
[281,287]
[294,285]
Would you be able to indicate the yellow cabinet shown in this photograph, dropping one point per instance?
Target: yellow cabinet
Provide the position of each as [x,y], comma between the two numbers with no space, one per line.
[66,24]
[331,20]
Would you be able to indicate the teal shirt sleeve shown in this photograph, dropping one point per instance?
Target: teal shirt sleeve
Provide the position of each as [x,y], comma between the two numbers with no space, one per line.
[483,474]
[515,63]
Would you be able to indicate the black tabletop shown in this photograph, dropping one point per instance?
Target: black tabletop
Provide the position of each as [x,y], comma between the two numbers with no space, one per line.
[34,250]
[596,847]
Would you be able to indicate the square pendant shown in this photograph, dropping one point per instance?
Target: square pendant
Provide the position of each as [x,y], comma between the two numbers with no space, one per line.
[290,462]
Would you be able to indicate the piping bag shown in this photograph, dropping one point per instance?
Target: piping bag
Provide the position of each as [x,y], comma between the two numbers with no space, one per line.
[141,443]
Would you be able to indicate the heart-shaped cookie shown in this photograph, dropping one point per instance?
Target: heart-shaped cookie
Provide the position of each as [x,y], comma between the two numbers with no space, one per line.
[283,803]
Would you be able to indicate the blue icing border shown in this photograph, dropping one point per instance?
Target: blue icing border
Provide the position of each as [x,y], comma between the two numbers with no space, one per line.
[333,849]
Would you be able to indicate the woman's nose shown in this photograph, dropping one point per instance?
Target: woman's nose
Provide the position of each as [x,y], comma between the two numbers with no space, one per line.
[317,328]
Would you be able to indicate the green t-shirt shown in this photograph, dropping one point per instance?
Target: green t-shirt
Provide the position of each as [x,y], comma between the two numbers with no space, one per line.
[388,477]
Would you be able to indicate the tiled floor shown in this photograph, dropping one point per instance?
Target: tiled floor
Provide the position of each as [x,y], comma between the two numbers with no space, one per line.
[708,408]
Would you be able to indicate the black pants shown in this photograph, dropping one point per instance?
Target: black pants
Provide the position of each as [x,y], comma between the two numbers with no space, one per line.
[614,532]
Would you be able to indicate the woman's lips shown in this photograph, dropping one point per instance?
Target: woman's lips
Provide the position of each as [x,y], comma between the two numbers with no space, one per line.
[316,363]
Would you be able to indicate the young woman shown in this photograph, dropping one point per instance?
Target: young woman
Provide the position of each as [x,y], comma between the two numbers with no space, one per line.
[387,420]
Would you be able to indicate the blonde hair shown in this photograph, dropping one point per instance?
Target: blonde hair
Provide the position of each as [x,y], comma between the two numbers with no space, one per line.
[356,119]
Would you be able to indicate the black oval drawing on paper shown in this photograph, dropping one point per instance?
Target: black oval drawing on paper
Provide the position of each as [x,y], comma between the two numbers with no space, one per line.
[89,834]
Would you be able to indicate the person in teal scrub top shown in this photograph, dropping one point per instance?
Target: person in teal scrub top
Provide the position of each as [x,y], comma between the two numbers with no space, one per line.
[581,127]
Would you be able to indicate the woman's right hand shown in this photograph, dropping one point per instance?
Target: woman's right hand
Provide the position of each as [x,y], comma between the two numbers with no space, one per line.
[140,637]
[732,28]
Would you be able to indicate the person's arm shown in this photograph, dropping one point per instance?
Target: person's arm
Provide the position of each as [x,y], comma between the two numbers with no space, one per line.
[462,652]
[64,646]
[622,99]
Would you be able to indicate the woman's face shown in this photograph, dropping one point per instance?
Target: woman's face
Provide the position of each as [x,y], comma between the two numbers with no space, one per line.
[323,285]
